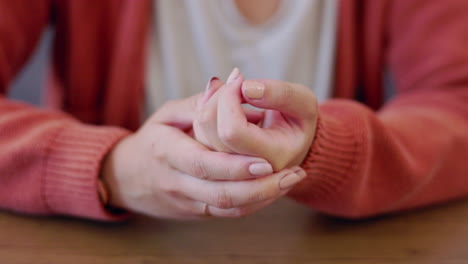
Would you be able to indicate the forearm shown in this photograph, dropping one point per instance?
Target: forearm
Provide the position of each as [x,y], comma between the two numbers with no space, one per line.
[50,163]
[409,155]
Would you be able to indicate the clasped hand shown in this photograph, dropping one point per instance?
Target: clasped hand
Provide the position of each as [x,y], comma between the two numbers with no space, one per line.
[207,155]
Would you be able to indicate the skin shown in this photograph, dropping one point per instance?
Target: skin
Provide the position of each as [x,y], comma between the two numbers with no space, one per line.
[288,125]
[164,172]
[258,11]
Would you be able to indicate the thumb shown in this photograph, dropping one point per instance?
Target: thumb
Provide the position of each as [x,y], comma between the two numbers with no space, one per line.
[291,99]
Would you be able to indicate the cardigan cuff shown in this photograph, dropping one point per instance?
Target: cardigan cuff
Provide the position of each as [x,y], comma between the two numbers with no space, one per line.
[330,161]
[72,168]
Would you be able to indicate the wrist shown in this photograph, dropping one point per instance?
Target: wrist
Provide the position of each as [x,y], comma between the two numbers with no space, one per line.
[109,186]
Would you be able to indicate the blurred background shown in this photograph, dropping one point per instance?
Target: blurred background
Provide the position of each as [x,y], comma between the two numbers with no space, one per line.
[29,84]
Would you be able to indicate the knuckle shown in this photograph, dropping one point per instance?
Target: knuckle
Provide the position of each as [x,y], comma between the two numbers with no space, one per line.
[224,200]
[199,170]
[158,153]
[167,187]
[231,173]
[229,135]
[257,196]
[286,95]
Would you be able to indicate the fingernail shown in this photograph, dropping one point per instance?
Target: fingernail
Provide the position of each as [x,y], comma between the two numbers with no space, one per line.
[260,169]
[254,90]
[233,76]
[208,85]
[290,180]
[301,172]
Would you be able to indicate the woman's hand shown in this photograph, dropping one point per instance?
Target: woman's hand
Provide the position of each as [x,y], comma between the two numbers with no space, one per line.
[285,131]
[162,171]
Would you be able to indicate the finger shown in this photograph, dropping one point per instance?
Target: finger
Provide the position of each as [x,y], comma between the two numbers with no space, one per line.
[253,115]
[188,156]
[214,84]
[295,100]
[178,113]
[206,122]
[235,131]
[236,212]
[230,194]
[205,125]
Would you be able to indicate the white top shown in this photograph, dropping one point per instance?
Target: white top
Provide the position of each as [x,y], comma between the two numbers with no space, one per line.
[192,41]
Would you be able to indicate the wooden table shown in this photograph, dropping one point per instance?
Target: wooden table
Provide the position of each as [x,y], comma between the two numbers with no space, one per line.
[282,233]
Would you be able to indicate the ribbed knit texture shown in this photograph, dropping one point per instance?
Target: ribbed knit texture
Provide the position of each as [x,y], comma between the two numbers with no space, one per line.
[72,168]
[364,160]
[330,160]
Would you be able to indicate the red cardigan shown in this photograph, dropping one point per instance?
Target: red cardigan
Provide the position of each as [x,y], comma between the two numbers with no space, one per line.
[366,159]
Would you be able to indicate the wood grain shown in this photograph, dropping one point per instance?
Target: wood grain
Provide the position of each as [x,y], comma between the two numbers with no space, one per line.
[282,233]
